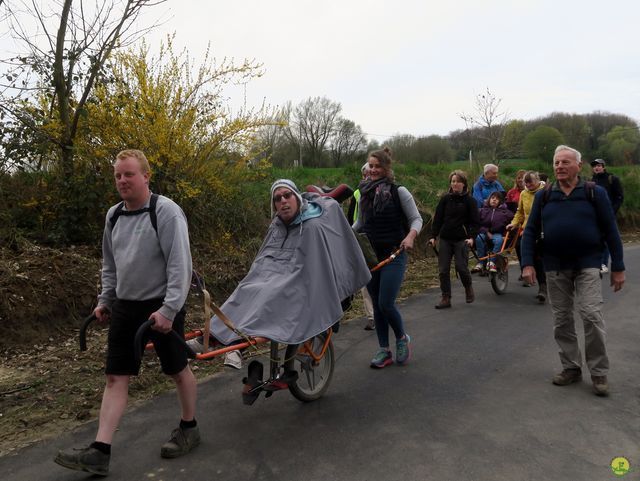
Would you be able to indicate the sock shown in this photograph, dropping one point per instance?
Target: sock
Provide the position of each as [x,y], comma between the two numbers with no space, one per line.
[188,424]
[104,448]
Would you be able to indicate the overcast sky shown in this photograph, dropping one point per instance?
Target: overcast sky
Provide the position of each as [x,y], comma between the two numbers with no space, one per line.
[405,66]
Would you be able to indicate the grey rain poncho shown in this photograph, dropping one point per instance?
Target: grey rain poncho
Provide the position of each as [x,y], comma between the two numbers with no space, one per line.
[296,282]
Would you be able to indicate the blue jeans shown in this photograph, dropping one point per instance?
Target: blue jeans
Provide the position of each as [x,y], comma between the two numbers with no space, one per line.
[482,241]
[384,287]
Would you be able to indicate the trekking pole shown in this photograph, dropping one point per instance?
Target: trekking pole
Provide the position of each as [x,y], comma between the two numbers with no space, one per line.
[389,259]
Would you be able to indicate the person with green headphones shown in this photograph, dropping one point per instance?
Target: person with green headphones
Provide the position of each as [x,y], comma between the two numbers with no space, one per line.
[352,215]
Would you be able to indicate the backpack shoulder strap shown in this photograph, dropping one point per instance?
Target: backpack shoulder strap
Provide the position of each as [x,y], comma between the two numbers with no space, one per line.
[153,217]
[590,191]
[546,193]
[116,213]
[152,211]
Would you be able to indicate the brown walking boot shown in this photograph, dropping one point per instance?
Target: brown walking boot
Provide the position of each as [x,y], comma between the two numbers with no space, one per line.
[445,302]
[600,385]
[469,295]
[567,376]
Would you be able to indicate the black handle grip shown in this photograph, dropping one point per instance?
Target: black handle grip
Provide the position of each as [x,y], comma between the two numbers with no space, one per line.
[139,345]
[83,331]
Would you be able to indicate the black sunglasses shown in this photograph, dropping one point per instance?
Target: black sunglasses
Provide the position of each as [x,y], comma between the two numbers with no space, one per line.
[286,195]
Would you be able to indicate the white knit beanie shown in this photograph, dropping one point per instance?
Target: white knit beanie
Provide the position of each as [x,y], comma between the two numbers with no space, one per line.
[289,185]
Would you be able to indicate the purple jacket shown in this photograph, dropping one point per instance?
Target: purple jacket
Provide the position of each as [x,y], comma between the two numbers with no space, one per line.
[494,220]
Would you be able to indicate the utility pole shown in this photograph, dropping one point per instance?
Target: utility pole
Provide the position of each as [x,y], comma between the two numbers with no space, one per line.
[300,141]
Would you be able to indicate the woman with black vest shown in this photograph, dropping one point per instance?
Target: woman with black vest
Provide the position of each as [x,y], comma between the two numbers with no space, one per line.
[455,223]
[390,219]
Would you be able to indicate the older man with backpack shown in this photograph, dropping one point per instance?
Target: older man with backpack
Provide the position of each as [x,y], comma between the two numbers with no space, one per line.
[572,263]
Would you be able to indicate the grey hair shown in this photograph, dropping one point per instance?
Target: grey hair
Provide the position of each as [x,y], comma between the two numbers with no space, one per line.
[488,167]
[560,148]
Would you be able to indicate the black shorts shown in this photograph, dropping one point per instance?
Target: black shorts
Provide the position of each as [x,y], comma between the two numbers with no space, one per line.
[126,318]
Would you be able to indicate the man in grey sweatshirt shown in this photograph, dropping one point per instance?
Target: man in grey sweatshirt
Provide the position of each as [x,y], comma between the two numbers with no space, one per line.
[146,274]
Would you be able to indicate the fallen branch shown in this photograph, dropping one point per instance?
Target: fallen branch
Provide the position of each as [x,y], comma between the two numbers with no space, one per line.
[13,391]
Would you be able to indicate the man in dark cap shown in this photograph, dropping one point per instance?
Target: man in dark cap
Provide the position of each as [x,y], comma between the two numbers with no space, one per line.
[612,185]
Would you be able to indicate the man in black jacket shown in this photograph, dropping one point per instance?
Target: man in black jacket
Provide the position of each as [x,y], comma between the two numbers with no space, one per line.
[612,185]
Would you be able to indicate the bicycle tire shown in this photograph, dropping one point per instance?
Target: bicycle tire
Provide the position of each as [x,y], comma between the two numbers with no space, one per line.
[313,380]
[500,279]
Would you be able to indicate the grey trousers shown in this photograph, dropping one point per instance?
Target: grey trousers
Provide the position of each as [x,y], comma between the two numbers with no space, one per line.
[459,251]
[584,289]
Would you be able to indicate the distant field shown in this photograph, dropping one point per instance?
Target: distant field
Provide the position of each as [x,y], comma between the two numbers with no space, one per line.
[427,182]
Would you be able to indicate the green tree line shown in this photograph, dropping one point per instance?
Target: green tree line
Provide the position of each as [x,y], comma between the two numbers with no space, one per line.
[66,110]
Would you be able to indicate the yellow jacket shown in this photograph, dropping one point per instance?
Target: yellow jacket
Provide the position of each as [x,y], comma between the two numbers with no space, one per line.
[524,206]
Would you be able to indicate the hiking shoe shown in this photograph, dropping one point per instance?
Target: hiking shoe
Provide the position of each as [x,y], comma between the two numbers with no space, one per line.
[181,442]
[469,295]
[491,266]
[381,359]
[444,303]
[86,459]
[403,349]
[542,293]
[233,359]
[600,385]
[370,325]
[604,269]
[479,267]
[197,344]
[567,376]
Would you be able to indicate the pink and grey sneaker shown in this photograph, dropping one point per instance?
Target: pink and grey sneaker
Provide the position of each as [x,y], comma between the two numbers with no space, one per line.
[403,349]
[382,359]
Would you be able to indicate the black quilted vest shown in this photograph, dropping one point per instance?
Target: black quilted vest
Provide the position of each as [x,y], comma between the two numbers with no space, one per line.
[386,229]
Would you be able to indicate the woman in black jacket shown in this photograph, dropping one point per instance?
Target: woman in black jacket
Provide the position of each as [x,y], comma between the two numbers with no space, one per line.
[456,224]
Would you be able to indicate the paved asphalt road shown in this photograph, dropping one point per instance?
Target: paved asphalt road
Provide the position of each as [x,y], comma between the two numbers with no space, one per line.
[475,403]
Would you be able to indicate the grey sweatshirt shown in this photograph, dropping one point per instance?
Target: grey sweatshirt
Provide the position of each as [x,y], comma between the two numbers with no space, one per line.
[138,264]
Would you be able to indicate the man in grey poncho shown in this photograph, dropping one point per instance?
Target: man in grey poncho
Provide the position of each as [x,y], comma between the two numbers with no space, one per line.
[308,263]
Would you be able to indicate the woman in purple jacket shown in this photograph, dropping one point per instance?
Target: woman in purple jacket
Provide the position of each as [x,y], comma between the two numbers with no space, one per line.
[494,217]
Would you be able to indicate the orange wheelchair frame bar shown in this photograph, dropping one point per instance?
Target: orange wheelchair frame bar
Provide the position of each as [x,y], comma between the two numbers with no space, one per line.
[304,349]
[504,248]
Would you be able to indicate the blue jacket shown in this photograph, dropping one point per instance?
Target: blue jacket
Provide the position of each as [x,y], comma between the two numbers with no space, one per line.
[482,189]
[574,230]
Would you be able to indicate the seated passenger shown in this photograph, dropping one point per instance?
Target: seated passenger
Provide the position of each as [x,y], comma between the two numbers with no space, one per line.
[308,263]
[494,217]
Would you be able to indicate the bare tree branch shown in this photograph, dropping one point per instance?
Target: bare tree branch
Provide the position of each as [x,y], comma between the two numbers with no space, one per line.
[488,121]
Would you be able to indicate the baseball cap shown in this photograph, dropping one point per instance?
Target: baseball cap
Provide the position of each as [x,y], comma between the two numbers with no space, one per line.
[597,162]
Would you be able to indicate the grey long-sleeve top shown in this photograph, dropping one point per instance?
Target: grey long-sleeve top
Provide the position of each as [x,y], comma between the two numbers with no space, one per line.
[139,264]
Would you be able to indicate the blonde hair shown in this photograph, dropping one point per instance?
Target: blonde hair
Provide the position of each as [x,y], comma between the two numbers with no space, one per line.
[139,156]
[520,173]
